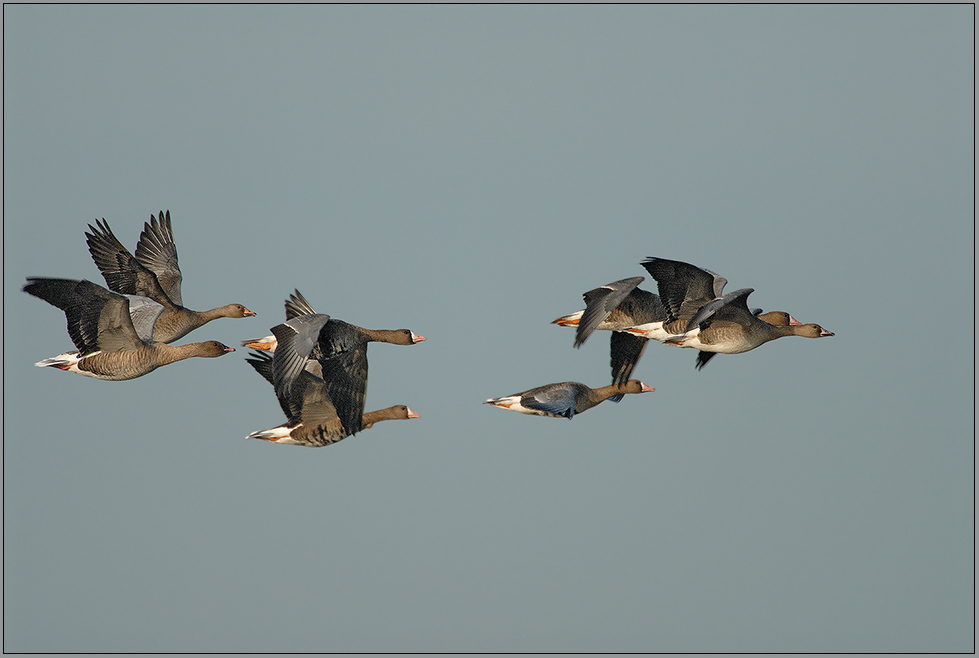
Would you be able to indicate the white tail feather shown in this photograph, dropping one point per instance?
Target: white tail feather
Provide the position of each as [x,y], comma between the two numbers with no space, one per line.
[61,361]
[279,434]
[268,343]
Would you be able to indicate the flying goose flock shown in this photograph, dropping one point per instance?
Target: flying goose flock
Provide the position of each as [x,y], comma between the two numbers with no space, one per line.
[317,364]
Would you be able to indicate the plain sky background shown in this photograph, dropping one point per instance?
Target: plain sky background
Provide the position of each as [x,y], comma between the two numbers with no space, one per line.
[468,172]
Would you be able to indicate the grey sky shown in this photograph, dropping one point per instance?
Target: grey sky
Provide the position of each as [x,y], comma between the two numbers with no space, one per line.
[468,172]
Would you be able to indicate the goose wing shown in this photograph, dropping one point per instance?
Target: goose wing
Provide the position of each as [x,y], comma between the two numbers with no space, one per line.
[732,307]
[626,350]
[157,252]
[600,302]
[143,313]
[295,339]
[297,305]
[343,357]
[556,400]
[122,272]
[98,319]
[683,288]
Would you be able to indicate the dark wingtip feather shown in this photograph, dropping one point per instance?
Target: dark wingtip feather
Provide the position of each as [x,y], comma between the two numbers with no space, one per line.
[262,363]
[297,305]
[703,358]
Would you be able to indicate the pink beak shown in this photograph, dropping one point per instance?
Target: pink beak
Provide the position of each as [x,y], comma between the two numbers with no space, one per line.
[415,338]
[647,389]
[412,414]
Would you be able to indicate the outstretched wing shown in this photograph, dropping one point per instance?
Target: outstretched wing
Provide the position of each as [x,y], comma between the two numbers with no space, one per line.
[97,318]
[157,252]
[297,305]
[120,269]
[683,288]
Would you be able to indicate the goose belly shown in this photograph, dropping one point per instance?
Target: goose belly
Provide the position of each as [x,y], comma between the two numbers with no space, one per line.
[616,321]
[73,362]
[694,341]
[652,331]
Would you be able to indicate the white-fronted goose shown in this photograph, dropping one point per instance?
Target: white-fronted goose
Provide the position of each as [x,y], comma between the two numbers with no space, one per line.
[615,307]
[341,350]
[732,329]
[722,324]
[312,418]
[621,305]
[153,272]
[684,291]
[776,318]
[566,399]
[101,324]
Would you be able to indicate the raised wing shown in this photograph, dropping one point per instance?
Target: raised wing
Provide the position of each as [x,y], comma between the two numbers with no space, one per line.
[157,252]
[297,305]
[683,288]
[120,269]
